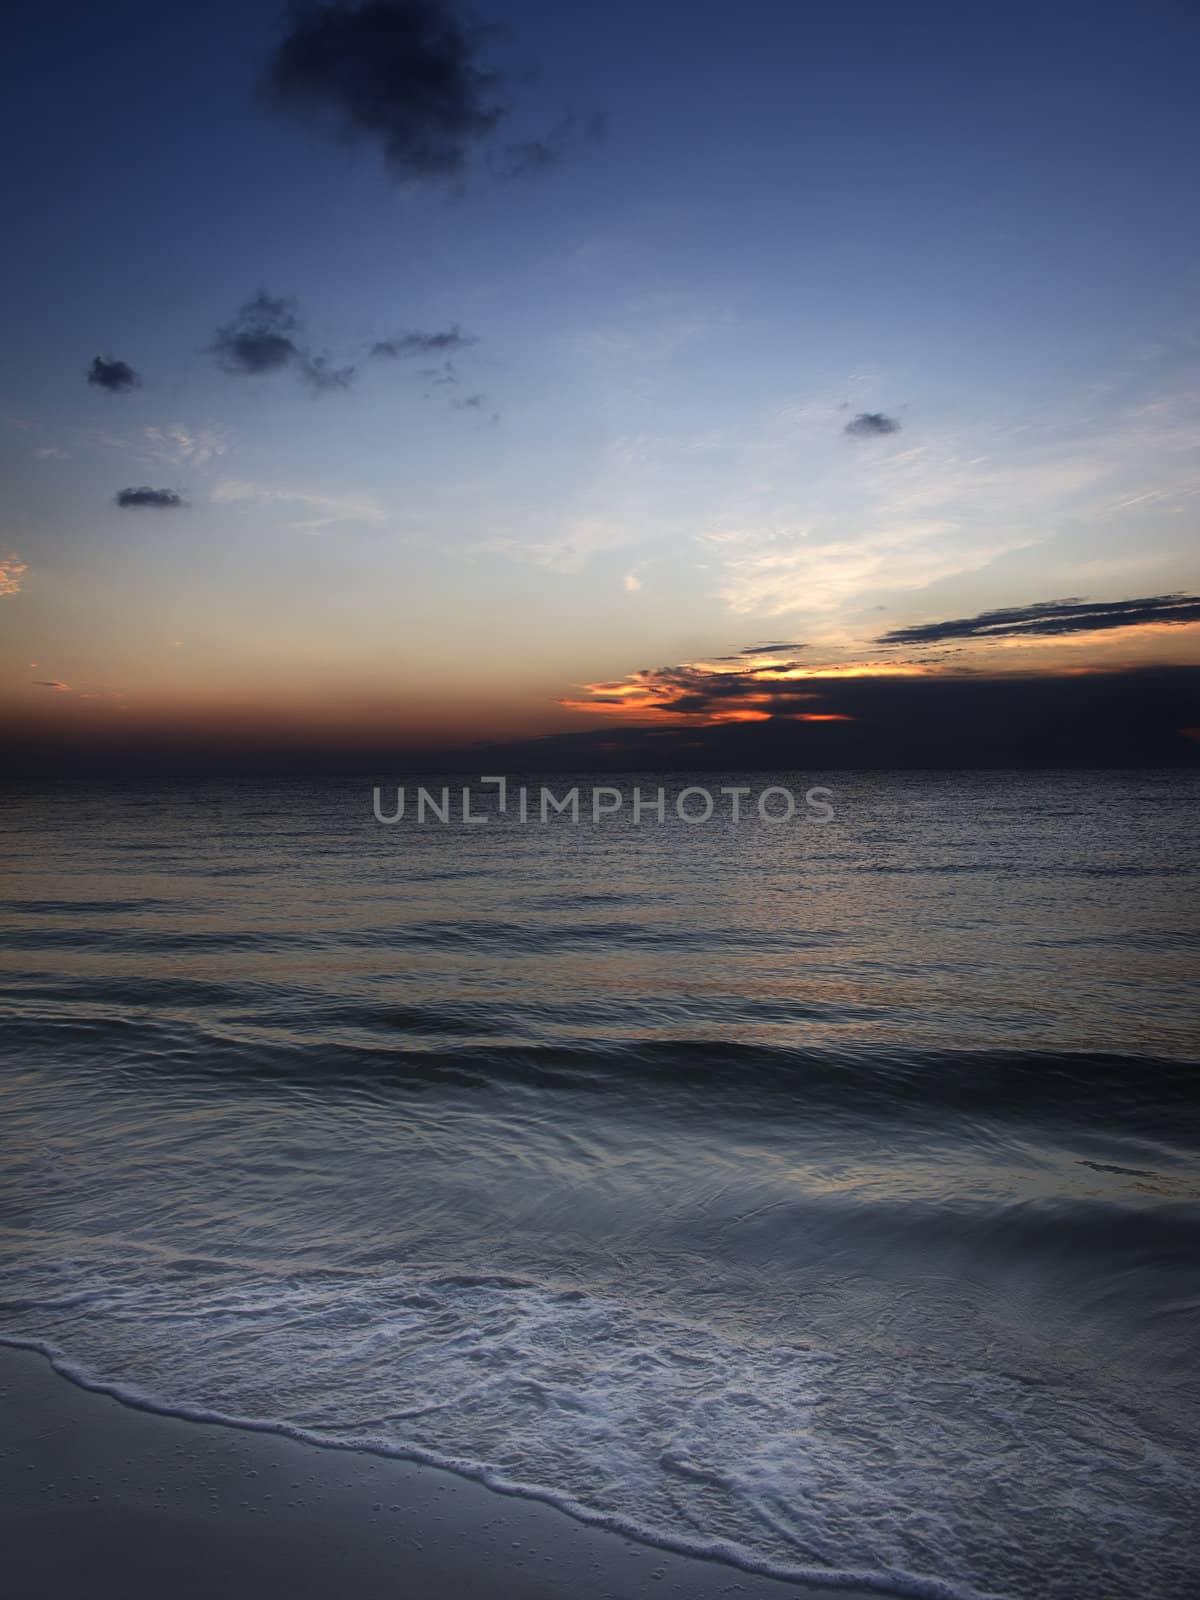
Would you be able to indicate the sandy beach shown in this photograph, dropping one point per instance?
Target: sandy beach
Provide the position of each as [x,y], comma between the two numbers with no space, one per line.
[101,1498]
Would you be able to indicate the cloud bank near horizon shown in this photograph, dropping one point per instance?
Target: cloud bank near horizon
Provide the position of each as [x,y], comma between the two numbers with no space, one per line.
[1049,618]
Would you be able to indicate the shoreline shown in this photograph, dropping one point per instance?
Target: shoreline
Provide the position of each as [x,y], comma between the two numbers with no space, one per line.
[107,1498]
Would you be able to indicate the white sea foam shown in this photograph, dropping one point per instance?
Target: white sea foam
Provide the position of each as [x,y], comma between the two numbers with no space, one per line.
[822,1237]
[818,1466]
[899,1584]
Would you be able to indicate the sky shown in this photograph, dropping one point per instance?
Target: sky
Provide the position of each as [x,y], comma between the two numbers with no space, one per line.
[390,376]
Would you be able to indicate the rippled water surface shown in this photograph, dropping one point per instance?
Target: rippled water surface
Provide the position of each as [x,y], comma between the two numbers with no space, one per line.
[820,1196]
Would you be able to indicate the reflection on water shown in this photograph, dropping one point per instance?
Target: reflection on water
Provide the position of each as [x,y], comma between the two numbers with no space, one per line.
[932,911]
[825,1193]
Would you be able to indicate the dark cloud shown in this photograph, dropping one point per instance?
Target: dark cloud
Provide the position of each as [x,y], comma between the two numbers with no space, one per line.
[159,499]
[423,344]
[259,339]
[447,343]
[1143,717]
[869,424]
[540,155]
[404,73]
[441,377]
[1051,617]
[318,371]
[1135,719]
[771,649]
[118,377]
[263,338]
[534,155]
[445,378]
[699,690]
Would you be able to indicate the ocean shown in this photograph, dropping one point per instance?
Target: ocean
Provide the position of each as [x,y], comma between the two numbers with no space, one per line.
[817,1195]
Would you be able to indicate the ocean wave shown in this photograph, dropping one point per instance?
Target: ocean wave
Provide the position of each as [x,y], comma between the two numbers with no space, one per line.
[787,1459]
[870,1080]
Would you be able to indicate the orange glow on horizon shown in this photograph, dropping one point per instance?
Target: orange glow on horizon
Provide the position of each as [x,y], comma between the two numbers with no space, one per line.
[1086,636]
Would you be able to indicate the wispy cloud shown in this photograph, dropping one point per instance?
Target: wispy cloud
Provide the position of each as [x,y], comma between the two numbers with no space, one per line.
[1052,618]
[191,446]
[12,570]
[548,152]
[824,534]
[330,509]
[320,373]
[569,549]
[776,571]
[648,330]
[447,342]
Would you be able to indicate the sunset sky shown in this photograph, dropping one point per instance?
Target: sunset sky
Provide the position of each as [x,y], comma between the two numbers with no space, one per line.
[376,373]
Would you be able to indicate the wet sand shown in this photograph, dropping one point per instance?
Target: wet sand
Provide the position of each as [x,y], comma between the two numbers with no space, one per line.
[102,1499]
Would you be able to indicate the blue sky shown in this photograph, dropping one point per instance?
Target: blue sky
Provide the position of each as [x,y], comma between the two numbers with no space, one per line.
[979,224]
